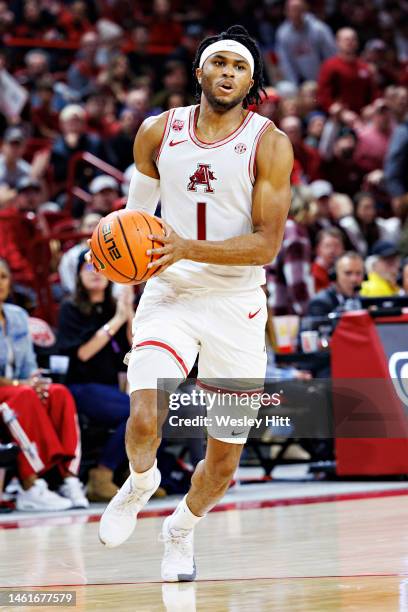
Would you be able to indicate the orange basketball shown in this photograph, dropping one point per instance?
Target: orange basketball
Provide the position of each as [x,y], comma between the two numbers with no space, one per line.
[119,244]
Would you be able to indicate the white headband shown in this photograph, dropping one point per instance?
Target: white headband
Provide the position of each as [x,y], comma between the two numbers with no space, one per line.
[228,45]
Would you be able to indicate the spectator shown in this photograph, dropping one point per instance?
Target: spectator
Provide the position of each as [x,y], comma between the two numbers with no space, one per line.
[73,140]
[363,228]
[36,68]
[339,167]
[45,411]
[101,115]
[307,157]
[175,82]
[68,265]
[44,118]
[374,138]
[343,293]
[321,192]
[308,98]
[12,165]
[104,190]
[382,269]
[314,128]
[345,78]
[121,144]
[95,332]
[329,247]
[289,279]
[302,43]
[117,77]
[81,76]
[397,100]
[395,168]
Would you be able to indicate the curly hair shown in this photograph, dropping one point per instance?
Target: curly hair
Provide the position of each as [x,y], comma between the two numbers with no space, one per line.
[240,34]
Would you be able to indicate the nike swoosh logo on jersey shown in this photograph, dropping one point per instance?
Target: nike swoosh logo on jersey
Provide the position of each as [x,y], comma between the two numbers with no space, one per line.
[251,315]
[236,433]
[173,143]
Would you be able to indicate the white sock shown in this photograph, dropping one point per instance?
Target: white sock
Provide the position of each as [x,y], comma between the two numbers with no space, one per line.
[143,480]
[183,518]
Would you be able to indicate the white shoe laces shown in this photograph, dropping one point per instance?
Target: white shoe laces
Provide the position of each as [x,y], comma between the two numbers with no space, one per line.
[178,542]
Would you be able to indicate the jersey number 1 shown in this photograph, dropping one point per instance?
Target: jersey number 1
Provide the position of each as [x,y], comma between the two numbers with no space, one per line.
[201,221]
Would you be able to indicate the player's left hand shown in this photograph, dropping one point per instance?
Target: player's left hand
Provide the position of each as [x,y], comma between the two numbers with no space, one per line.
[173,249]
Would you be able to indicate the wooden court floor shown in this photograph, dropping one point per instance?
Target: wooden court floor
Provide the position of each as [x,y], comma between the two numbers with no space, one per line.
[347,555]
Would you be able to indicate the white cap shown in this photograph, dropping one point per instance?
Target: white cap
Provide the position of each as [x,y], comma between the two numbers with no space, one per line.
[103,182]
[321,189]
[72,110]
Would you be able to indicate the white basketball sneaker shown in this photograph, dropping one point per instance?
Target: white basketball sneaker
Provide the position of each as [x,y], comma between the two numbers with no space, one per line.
[38,497]
[119,519]
[178,563]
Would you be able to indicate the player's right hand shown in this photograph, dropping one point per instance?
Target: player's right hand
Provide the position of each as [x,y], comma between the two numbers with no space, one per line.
[89,258]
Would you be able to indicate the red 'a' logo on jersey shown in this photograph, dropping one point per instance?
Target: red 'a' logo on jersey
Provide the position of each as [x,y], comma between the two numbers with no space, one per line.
[202,176]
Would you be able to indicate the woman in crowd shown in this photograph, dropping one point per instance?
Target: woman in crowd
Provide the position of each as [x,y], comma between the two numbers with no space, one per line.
[45,411]
[95,332]
[364,227]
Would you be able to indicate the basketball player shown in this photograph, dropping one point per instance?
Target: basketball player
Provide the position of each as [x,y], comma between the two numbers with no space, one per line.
[222,175]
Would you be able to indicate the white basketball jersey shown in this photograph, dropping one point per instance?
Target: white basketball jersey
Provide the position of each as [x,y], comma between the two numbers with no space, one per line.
[206,194]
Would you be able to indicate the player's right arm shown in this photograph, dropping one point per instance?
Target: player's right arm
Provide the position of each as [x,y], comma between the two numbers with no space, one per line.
[144,188]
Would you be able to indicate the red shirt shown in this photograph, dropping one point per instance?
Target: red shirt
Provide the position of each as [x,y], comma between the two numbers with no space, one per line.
[320,276]
[350,83]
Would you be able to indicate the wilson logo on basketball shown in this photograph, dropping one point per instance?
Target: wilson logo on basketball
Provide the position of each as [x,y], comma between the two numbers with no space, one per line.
[110,242]
[202,176]
[240,148]
[177,125]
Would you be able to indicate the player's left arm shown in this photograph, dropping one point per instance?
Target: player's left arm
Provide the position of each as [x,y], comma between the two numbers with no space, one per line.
[270,205]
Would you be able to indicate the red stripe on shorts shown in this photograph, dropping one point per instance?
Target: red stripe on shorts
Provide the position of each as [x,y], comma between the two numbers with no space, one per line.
[167,348]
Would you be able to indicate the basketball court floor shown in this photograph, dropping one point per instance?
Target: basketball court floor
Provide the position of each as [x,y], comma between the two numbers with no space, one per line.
[284,546]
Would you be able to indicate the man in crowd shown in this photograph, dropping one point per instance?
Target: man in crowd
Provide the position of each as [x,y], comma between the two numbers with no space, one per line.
[345,78]
[302,43]
[104,190]
[383,268]
[329,247]
[343,292]
[12,165]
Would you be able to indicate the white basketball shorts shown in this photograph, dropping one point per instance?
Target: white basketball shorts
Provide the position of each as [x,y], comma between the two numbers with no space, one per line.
[225,329]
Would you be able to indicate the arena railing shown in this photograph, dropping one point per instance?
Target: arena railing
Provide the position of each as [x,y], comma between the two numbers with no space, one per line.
[96,162]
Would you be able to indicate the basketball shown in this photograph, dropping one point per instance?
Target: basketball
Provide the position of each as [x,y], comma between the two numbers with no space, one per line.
[119,244]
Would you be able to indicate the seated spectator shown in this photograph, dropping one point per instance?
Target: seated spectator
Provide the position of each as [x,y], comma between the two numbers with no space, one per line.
[105,191]
[308,98]
[364,228]
[374,138]
[12,165]
[95,332]
[307,157]
[117,77]
[329,247]
[345,78]
[163,28]
[339,166]
[314,128]
[68,266]
[382,269]
[44,118]
[73,140]
[397,100]
[343,292]
[302,43]
[174,82]
[121,144]
[45,411]
[36,68]
[322,192]
[289,280]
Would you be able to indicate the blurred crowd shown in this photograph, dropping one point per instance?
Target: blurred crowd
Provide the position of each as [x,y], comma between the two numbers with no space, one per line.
[81,77]
[77,78]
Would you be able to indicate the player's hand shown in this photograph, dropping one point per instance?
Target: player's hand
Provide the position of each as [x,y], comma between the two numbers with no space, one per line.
[89,258]
[173,249]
